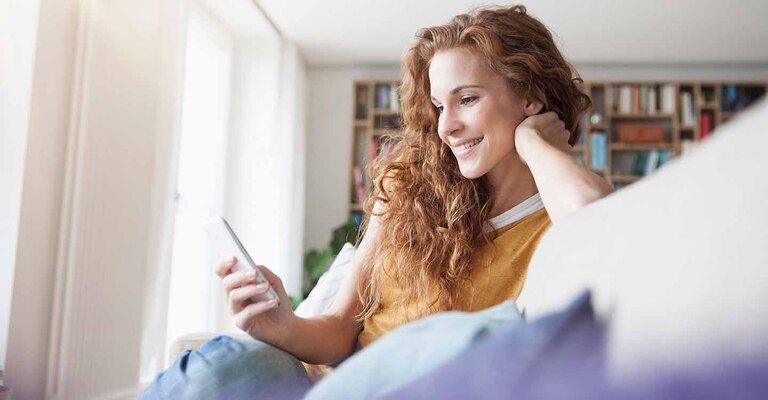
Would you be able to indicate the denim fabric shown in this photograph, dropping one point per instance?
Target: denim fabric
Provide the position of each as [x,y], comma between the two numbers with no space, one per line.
[410,351]
[548,358]
[226,368]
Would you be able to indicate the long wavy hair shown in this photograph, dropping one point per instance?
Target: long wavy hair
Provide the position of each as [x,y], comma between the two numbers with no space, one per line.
[432,218]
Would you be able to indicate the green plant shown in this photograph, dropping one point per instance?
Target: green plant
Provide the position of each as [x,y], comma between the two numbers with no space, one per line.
[316,262]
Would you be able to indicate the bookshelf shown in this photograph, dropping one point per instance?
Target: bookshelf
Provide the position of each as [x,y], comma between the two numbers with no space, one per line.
[633,129]
[375,117]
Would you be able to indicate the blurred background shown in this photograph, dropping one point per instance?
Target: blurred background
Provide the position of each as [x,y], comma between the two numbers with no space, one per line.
[126,124]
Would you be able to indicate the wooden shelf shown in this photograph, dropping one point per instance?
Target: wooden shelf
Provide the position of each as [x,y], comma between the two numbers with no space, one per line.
[640,146]
[355,207]
[643,115]
[381,132]
[625,178]
[579,148]
[385,111]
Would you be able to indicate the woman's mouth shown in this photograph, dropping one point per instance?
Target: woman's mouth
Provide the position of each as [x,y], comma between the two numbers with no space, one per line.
[465,149]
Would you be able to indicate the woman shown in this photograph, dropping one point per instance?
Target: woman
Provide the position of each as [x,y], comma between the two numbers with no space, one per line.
[491,110]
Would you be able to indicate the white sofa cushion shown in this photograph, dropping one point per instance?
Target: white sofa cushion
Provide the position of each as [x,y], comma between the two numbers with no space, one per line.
[322,295]
[678,260]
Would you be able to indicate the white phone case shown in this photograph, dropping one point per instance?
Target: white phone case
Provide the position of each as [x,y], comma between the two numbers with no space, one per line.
[223,242]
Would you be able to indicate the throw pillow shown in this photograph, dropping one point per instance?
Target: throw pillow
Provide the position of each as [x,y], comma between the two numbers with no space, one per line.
[410,351]
[322,295]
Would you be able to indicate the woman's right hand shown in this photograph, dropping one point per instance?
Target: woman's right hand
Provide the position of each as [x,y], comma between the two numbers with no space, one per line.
[266,320]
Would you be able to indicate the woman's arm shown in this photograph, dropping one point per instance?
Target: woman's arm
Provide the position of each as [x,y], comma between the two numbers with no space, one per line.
[564,185]
[332,337]
[326,339]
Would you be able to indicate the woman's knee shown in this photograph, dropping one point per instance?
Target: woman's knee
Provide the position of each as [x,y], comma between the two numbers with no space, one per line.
[228,368]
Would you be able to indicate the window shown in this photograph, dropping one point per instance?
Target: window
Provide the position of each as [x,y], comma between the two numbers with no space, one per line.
[201,172]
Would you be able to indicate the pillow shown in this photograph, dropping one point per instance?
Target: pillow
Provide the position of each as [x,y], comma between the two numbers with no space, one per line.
[322,295]
[411,351]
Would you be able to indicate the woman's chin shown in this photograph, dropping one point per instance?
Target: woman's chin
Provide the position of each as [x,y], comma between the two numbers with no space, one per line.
[470,173]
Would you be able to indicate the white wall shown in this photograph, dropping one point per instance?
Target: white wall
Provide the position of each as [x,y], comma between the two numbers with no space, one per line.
[33,282]
[329,146]
[88,199]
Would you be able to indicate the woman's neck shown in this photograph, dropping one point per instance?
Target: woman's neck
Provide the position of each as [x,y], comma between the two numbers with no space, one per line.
[510,187]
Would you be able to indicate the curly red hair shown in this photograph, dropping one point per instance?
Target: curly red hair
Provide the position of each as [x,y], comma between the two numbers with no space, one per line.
[433,218]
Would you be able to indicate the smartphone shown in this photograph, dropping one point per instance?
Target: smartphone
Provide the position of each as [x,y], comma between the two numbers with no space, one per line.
[223,242]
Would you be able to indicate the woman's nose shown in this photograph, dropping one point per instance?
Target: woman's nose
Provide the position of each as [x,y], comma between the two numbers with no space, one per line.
[448,124]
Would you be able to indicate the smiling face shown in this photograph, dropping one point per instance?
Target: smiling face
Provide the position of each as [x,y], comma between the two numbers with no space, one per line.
[478,113]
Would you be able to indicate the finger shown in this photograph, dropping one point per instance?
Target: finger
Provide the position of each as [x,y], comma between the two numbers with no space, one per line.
[243,294]
[239,278]
[245,316]
[550,116]
[224,267]
[273,279]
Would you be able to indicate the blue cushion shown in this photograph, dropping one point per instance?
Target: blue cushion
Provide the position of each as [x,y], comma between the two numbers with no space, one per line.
[411,351]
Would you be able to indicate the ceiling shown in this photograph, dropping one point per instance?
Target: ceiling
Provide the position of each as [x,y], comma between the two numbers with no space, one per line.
[376,32]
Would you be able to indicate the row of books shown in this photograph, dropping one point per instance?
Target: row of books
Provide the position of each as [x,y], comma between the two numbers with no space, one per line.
[386,96]
[648,161]
[737,98]
[642,98]
[378,147]
[598,145]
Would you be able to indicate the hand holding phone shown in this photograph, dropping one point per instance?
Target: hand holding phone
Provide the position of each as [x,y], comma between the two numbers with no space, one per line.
[223,242]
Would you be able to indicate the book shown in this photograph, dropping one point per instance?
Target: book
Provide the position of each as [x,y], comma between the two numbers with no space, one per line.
[644,98]
[625,99]
[686,109]
[664,157]
[382,95]
[394,98]
[706,125]
[640,161]
[357,176]
[598,150]
[635,99]
[668,98]
[652,100]
[652,162]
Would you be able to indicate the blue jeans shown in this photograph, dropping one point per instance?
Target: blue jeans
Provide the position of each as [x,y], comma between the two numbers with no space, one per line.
[226,368]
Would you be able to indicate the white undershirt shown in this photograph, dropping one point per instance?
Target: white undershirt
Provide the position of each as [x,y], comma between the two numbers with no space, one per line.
[518,212]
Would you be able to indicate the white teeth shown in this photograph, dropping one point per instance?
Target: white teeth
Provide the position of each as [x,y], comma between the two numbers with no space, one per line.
[470,144]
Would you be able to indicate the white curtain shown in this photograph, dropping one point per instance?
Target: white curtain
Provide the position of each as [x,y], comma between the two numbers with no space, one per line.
[264,182]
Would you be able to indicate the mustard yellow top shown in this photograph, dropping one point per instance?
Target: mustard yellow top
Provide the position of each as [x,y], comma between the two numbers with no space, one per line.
[499,273]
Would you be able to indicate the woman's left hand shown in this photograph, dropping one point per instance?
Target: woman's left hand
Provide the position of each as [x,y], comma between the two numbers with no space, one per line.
[548,127]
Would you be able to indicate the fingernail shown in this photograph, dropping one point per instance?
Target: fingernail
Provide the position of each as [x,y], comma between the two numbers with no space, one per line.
[231,259]
[262,286]
[250,274]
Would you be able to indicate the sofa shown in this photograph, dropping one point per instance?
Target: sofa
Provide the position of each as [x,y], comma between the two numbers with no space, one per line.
[676,264]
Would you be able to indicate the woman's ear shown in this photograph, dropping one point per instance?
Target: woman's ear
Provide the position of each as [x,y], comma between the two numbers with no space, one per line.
[533,107]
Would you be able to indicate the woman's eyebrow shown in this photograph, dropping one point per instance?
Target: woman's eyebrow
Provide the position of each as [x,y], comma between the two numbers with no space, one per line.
[457,89]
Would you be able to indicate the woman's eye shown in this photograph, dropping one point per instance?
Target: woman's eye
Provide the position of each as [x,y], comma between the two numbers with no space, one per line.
[439,109]
[468,99]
